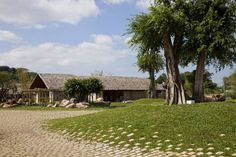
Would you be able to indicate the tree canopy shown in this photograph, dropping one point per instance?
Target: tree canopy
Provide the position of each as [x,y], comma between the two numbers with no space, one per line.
[81,88]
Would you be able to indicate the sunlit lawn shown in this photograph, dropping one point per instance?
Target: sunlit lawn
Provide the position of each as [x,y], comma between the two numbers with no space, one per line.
[208,129]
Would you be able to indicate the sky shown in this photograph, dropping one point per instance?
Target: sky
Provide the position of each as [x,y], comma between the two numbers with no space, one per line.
[73,37]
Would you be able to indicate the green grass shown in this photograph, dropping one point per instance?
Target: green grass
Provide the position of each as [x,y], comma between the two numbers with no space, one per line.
[149,124]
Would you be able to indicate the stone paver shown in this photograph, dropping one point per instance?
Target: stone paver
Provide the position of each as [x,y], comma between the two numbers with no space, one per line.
[21,135]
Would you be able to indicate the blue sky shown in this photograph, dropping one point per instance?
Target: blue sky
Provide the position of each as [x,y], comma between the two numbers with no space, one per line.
[72,36]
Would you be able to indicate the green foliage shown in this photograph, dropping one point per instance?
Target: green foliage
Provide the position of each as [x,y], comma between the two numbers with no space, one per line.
[209,86]
[162,78]
[7,83]
[195,126]
[230,85]
[93,85]
[211,27]
[150,62]
[81,88]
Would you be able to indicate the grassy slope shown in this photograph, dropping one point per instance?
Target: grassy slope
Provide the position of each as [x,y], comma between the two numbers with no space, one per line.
[151,123]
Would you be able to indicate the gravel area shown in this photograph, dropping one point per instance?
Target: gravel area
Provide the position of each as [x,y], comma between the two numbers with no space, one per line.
[22,135]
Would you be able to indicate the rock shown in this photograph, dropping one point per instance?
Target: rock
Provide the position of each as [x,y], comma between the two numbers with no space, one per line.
[81,105]
[99,99]
[64,103]
[20,101]
[72,105]
[1,104]
[49,105]
[85,103]
[9,101]
[6,106]
[57,103]
[73,100]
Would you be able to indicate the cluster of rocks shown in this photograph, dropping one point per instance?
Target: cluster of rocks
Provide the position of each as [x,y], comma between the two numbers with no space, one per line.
[11,103]
[215,98]
[72,103]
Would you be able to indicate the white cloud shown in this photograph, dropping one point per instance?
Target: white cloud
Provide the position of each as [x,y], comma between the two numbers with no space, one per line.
[99,53]
[37,12]
[9,37]
[116,1]
[144,4]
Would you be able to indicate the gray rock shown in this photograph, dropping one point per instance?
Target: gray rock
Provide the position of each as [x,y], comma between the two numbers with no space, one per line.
[64,103]
[20,101]
[81,105]
[72,105]
[73,100]
[56,104]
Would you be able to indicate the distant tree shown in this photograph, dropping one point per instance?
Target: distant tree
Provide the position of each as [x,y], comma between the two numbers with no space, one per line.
[188,83]
[81,88]
[97,73]
[6,84]
[230,85]
[162,79]
[24,79]
[151,63]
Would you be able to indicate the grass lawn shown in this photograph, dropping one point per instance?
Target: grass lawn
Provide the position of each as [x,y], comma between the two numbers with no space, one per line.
[148,124]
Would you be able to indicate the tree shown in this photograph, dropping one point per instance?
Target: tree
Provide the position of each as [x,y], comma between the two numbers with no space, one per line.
[162,79]
[81,88]
[151,63]
[230,85]
[210,38]
[93,85]
[188,83]
[6,84]
[75,88]
[163,27]
[23,77]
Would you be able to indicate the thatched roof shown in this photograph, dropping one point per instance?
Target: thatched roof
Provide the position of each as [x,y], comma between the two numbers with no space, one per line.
[56,82]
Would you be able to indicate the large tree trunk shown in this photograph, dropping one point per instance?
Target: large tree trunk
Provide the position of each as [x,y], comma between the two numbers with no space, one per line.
[152,86]
[198,90]
[175,90]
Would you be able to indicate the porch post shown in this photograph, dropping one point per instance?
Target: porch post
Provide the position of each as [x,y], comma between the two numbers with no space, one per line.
[51,96]
[37,98]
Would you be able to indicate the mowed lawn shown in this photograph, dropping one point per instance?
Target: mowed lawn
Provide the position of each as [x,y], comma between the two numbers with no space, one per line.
[206,128]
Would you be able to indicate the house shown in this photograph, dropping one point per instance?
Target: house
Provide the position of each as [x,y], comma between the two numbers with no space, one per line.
[49,88]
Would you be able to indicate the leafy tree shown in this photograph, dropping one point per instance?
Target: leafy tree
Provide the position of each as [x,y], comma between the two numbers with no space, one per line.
[151,63]
[210,38]
[24,79]
[6,84]
[81,88]
[188,83]
[162,79]
[230,85]
[163,27]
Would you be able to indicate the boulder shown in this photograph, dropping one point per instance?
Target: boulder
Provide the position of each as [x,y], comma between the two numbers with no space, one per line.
[72,105]
[1,104]
[73,100]
[49,105]
[20,101]
[99,99]
[64,103]
[6,106]
[57,103]
[9,101]
[81,105]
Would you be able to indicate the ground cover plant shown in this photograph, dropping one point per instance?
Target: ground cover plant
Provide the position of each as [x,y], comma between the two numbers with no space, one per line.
[205,129]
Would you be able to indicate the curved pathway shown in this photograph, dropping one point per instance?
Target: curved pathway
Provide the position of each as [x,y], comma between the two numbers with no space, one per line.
[21,135]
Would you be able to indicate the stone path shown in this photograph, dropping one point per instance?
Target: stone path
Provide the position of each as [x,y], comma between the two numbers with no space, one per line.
[21,135]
